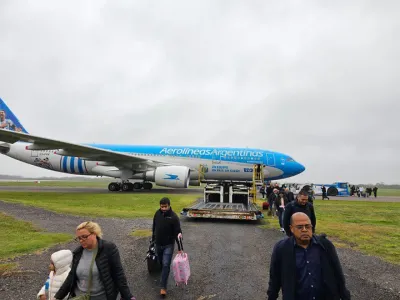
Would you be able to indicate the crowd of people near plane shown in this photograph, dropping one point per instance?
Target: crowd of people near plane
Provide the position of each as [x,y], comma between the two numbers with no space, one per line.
[360,191]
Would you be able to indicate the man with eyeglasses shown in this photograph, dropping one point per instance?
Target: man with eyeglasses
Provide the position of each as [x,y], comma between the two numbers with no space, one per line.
[306,266]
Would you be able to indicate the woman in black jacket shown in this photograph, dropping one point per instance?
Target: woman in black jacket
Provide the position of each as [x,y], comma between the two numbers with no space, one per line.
[107,276]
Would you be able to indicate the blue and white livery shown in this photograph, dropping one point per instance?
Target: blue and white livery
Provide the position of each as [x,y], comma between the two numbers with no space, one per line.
[170,166]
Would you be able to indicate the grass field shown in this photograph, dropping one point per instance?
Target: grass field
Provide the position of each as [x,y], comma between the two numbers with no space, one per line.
[100,205]
[19,237]
[388,192]
[67,183]
[372,227]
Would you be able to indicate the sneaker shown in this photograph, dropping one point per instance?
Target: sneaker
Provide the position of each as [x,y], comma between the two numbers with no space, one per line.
[163,292]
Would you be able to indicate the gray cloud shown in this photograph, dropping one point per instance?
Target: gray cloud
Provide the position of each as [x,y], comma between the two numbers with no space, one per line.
[314,80]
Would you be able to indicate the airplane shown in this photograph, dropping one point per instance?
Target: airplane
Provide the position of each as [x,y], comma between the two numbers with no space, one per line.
[168,166]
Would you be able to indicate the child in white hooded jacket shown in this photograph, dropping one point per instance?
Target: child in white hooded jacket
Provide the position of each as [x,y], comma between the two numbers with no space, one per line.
[60,266]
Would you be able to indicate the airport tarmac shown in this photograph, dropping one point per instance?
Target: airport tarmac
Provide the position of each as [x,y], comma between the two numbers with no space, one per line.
[97,190]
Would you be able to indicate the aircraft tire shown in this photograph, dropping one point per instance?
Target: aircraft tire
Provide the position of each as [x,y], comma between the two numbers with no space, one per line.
[126,187]
[137,186]
[147,185]
[113,187]
[332,191]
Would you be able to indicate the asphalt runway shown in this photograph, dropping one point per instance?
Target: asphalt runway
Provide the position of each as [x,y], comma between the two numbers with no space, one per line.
[99,190]
[370,199]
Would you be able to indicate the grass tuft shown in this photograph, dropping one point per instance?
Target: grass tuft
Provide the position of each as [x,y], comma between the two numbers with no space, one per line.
[142,233]
[7,268]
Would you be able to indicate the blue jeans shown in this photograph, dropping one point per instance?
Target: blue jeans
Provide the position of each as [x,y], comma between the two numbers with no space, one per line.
[164,254]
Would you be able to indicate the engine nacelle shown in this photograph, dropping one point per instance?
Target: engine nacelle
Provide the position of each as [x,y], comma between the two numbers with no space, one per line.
[194,182]
[170,176]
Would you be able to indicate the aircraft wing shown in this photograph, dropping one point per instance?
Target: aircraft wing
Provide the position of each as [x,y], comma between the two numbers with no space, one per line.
[71,149]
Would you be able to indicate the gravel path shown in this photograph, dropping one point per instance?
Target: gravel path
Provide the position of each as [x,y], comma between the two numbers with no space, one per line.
[229,260]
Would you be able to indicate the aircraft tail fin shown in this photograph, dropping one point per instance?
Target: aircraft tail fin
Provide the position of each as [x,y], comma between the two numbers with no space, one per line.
[8,120]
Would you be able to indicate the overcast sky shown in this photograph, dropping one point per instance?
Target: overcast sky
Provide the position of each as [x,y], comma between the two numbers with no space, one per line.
[317,80]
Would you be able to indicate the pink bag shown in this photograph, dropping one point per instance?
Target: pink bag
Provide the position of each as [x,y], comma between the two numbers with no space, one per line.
[181,267]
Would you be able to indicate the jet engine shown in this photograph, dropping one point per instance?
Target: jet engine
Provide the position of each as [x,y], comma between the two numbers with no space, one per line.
[194,182]
[170,176]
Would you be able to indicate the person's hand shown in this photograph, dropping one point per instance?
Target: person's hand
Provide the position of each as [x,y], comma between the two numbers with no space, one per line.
[179,235]
[42,297]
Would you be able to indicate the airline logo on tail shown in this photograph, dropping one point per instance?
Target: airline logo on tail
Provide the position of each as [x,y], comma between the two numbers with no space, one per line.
[8,120]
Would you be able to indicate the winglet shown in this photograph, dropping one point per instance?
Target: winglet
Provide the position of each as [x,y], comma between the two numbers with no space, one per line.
[8,120]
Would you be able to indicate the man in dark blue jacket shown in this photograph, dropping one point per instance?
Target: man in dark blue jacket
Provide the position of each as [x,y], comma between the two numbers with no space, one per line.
[306,266]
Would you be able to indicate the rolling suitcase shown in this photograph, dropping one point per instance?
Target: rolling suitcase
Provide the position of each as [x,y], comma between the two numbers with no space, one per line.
[181,267]
[153,264]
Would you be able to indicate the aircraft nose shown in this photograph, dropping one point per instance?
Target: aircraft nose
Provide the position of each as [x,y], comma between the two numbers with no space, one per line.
[299,168]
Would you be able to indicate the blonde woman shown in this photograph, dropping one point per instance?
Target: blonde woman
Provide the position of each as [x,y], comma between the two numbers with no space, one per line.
[96,268]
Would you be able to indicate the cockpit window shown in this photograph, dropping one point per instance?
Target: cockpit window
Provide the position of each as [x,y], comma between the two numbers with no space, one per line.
[289,159]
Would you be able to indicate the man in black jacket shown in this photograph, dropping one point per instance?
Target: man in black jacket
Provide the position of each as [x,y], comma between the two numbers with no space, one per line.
[324,195]
[306,266]
[289,195]
[166,231]
[301,204]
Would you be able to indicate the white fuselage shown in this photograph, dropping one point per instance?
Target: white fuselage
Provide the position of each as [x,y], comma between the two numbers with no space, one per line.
[215,169]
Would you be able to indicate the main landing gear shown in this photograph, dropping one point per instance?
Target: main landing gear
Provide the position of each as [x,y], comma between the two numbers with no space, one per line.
[129,186]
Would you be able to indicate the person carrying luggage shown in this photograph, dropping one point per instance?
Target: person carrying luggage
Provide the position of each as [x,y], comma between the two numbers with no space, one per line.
[166,231]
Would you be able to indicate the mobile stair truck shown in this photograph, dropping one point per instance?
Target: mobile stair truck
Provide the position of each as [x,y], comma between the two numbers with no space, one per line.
[229,200]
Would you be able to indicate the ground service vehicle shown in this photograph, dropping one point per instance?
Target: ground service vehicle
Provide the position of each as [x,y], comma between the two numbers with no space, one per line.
[225,201]
[229,200]
[340,189]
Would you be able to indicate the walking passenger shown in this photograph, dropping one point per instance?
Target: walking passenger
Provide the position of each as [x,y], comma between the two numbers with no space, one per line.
[96,268]
[300,205]
[289,196]
[280,207]
[60,266]
[271,201]
[375,190]
[263,190]
[324,195]
[166,231]
[306,266]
